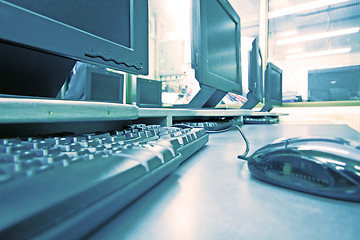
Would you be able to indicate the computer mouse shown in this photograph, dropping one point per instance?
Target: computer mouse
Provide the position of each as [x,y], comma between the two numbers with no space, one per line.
[324,166]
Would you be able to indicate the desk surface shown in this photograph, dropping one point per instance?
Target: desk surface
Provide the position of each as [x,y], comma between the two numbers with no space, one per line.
[34,110]
[213,196]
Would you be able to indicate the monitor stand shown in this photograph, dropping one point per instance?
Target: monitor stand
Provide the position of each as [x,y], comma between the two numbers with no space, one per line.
[266,108]
[207,97]
[251,102]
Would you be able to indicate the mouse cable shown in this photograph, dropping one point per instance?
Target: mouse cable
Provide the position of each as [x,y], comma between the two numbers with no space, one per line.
[247,144]
[244,155]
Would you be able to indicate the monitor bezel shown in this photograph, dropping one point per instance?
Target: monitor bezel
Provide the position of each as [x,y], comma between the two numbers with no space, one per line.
[45,34]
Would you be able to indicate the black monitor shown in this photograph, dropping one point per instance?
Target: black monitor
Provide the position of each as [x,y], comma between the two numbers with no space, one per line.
[255,77]
[215,51]
[273,87]
[148,93]
[334,84]
[103,85]
[91,82]
[46,37]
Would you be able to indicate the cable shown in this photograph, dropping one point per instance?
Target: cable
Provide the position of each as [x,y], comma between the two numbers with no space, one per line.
[220,131]
[243,156]
[181,125]
[247,144]
[247,149]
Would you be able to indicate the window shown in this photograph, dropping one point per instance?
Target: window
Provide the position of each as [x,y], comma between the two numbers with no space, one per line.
[316,44]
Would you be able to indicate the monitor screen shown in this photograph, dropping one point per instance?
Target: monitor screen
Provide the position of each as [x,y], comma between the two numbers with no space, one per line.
[215,51]
[111,33]
[103,85]
[26,72]
[334,84]
[273,87]
[222,45]
[148,93]
[255,77]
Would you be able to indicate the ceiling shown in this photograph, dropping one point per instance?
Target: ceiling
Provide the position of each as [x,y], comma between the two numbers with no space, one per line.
[343,15]
[326,19]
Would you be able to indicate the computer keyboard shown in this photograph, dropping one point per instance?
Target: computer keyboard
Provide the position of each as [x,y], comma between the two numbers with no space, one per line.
[53,186]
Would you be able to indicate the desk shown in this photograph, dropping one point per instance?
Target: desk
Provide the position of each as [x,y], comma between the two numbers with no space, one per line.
[213,196]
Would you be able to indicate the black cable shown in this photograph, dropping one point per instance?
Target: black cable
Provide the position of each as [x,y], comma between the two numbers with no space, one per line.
[247,144]
[181,125]
[220,131]
[243,156]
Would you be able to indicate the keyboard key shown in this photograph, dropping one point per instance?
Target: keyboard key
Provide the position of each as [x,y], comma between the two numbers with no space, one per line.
[148,159]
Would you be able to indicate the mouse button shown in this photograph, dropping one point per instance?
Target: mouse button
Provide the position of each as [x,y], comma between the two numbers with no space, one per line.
[274,146]
[325,148]
[317,139]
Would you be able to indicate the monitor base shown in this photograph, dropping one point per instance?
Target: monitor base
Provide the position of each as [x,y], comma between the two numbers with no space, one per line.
[207,97]
[251,102]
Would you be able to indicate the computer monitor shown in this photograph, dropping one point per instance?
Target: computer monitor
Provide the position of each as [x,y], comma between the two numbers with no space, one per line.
[26,72]
[215,51]
[334,84]
[273,87]
[255,77]
[103,85]
[53,34]
[148,93]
